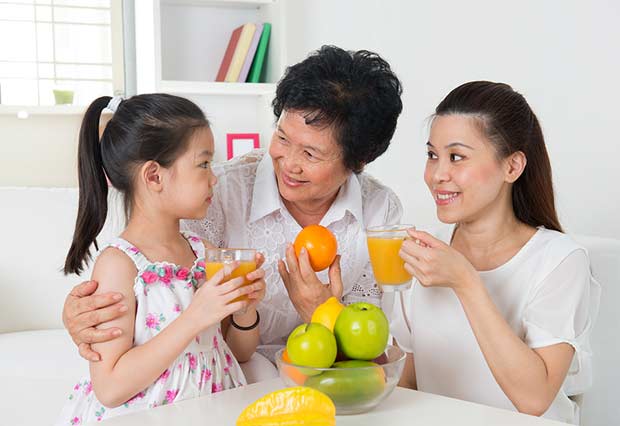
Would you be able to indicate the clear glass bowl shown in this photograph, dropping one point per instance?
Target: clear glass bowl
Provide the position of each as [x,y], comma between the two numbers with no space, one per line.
[355,389]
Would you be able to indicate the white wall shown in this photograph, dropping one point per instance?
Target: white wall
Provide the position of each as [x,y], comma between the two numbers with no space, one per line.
[561,54]
[39,151]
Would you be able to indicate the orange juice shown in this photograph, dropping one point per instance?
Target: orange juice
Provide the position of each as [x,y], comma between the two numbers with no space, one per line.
[388,267]
[244,268]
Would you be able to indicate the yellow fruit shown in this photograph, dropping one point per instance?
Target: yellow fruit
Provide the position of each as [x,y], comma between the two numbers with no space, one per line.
[327,313]
[299,405]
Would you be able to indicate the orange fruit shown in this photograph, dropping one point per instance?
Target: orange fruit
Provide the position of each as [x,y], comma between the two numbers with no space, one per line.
[327,313]
[292,372]
[294,406]
[320,243]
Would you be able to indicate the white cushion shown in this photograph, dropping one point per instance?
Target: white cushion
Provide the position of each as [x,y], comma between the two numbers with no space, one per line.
[37,373]
[36,225]
[600,403]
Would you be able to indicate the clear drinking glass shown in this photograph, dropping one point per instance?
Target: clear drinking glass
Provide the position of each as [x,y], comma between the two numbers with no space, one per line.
[216,258]
[384,242]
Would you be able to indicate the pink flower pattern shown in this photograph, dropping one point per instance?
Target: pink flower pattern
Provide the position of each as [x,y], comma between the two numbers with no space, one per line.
[206,375]
[171,395]
[134,398]
[164,291]
[192,361]
[88,388]
[182,274]
[153,321]
[149,277]
[164,376]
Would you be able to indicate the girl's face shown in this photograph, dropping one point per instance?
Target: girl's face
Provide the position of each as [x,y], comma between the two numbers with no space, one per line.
[190,179]
[462,172]
[307,160]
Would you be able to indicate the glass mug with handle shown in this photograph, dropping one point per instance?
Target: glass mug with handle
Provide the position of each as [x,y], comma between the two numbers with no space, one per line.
[216,258]
[384,242]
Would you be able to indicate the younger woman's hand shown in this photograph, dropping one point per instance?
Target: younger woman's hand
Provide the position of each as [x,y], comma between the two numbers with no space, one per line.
[213,301]
[434,263]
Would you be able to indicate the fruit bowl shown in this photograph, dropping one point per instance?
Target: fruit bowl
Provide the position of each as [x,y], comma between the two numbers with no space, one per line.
[354,386]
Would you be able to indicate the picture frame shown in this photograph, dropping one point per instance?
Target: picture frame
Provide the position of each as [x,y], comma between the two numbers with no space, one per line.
[241,143]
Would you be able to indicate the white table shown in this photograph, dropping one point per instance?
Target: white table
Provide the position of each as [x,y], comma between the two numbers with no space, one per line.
[402,407]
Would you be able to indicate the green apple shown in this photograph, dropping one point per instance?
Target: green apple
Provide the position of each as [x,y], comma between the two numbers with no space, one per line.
[355,382]
[362,331]
[312,345]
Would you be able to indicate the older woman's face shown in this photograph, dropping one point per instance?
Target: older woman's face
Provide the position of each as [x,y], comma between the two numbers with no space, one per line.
[307,160]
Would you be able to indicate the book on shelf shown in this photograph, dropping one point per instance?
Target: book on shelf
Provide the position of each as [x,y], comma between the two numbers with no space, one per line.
[247,63]
[230,50]
[254,76]
[244,59]
[241,51]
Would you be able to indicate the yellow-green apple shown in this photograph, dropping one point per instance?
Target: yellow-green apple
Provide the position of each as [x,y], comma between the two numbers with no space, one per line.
[361,331]
[312,345]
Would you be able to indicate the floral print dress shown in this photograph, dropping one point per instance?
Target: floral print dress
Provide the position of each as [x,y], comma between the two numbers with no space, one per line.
[163,291]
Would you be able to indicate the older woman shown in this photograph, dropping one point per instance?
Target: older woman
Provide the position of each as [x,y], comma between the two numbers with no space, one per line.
[336,112]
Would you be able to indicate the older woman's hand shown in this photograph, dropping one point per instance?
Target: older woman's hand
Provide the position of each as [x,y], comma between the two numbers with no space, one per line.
[304,288]
[83,312]
[434,263]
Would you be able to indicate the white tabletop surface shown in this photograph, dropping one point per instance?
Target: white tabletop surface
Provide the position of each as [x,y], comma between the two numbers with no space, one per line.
[402,407]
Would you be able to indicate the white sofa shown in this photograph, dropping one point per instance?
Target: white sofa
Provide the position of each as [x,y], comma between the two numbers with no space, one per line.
[39,363]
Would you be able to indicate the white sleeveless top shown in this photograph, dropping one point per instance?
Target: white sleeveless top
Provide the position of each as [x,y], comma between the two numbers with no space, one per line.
[163,291]
[547,295]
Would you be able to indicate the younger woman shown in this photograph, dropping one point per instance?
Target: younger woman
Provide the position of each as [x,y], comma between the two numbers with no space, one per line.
[157,151]
[504,301]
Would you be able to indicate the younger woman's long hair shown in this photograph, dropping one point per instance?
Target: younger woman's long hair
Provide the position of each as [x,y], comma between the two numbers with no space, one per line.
[509,123]
[148,127]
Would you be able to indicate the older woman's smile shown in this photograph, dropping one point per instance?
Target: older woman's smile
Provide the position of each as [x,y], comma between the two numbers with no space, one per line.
[290,181]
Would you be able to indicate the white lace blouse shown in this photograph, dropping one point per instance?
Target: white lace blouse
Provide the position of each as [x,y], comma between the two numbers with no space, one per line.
[247,211]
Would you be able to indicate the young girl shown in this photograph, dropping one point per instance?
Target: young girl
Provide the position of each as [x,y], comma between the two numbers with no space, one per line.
[504,301]
[157,151]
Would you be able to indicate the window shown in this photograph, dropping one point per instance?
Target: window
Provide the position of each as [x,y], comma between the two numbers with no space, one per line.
[60,51]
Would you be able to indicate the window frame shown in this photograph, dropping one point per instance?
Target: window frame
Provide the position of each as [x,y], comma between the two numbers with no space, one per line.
[117,66]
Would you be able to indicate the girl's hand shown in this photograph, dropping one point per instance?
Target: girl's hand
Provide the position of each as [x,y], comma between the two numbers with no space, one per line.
[258,283]
[212,302]
[434,263]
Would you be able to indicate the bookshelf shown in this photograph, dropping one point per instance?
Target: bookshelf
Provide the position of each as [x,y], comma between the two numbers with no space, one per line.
[185,40]
[179,48]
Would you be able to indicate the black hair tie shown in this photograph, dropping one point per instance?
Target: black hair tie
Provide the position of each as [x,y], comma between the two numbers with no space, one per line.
[249,327]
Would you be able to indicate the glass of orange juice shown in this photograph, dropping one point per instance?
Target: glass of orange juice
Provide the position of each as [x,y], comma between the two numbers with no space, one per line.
[384,243]
[216,258]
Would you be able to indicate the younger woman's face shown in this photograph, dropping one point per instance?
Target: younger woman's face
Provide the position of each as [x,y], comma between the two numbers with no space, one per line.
[190,189]
[463,173]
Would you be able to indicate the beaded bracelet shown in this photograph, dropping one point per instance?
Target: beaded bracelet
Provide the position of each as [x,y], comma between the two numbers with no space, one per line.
[249,327]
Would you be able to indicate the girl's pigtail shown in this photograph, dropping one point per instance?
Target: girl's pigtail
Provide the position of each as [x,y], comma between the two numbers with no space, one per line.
[93,190]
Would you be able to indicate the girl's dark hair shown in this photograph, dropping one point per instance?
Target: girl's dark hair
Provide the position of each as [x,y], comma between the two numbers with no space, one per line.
[354,92]
[145,127]
[509,123]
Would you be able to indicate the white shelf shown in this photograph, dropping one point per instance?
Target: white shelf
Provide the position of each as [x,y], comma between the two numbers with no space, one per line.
[42,109]
[217,88]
